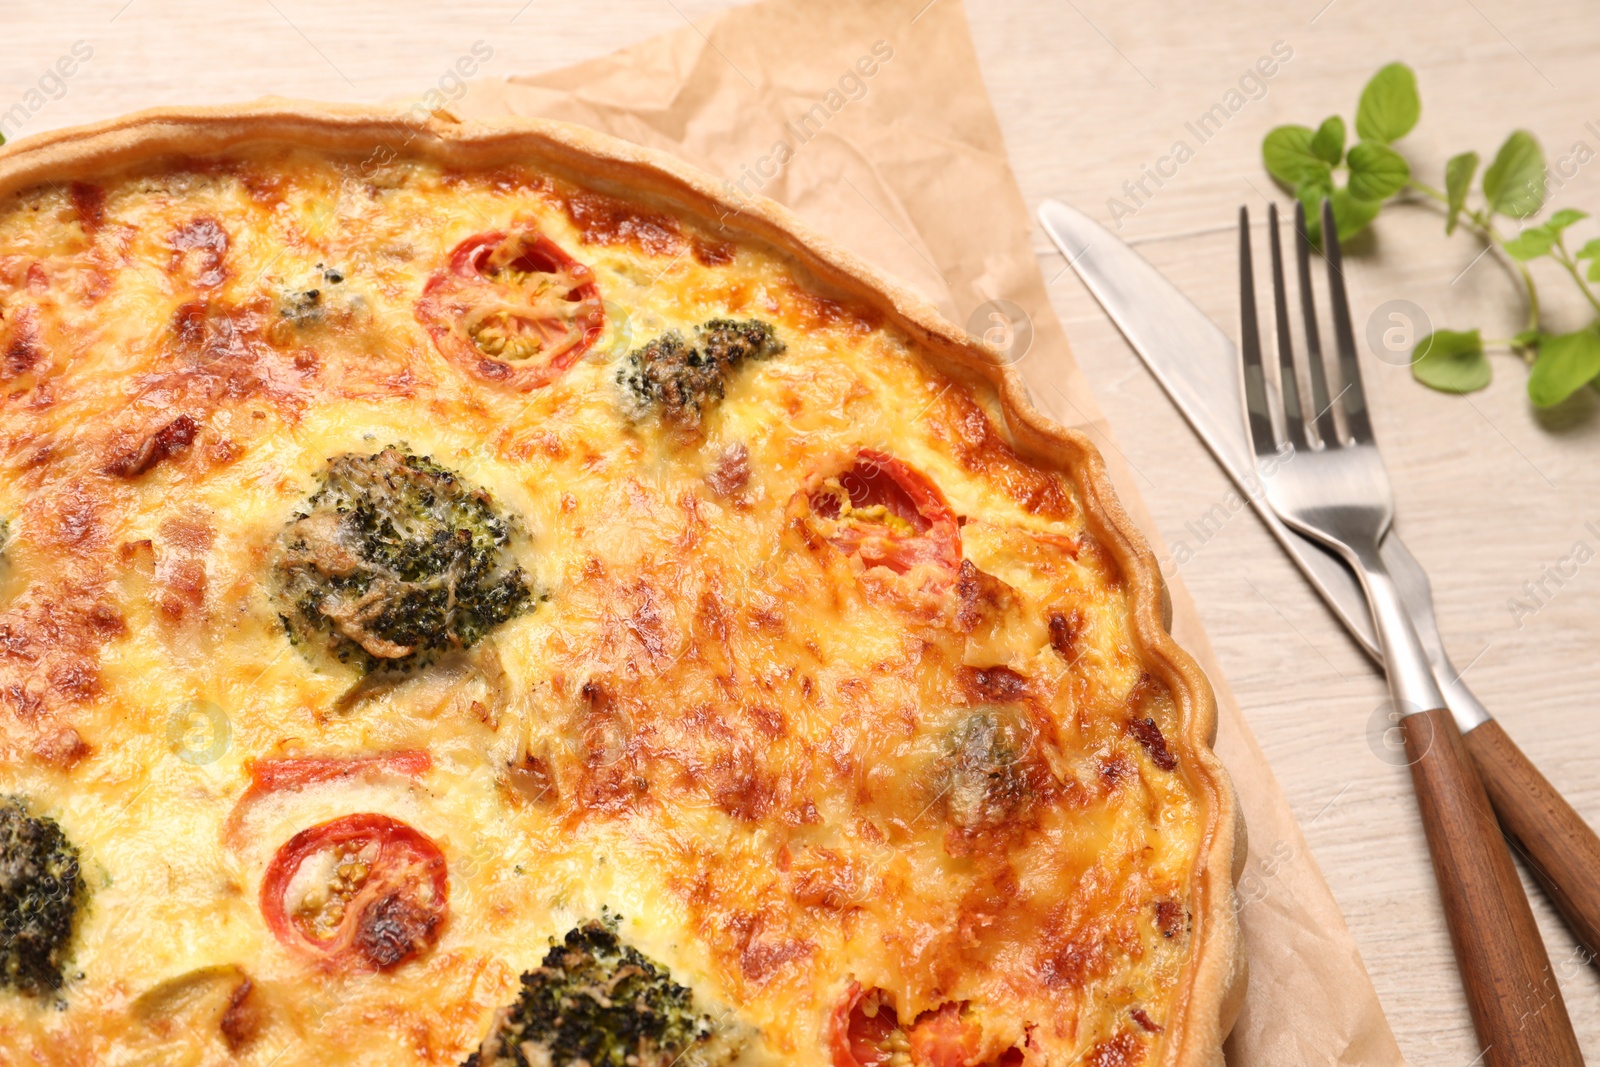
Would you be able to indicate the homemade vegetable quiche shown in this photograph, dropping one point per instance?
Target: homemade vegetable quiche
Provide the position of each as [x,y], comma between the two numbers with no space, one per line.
[474,594]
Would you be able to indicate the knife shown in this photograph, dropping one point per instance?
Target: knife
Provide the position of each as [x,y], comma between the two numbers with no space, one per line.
[1198,366]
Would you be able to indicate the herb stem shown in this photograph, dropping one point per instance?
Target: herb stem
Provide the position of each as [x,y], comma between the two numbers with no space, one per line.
[1483,222]
[1565,259]
[1533,296]
[1526,353]
[1426,189]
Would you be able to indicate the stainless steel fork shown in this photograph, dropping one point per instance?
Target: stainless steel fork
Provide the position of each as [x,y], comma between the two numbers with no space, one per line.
[1334,488]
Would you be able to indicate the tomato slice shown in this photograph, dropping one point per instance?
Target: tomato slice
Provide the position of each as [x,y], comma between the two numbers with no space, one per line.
[268,776]
[512,308]
[362,890]
[945,1038]
[865,1032]
[864,1029]
[297,772]
[886,513]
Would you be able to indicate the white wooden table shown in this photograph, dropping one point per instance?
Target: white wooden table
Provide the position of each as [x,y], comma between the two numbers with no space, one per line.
[1492,495]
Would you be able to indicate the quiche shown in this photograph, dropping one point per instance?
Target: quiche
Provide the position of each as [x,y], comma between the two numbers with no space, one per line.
[477,594]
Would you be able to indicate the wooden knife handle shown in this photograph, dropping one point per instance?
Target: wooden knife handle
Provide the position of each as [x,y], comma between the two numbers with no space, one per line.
[1517,1008]
[1558,845]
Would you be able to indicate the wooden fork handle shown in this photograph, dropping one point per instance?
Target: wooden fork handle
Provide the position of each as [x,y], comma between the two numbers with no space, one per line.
[1517,1008]
[1559,846]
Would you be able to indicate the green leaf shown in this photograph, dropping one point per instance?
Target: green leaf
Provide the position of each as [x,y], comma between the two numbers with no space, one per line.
[1389,105]
[1287,154]
[1314,188]
[1351,214]
[1566,361]
[1526,339]
[1531,243]
[1514,182]
[1591,252]
[1535,241]
[1315,185]
[1457,180]
[1451,361]
[1377,171]
[1327,144]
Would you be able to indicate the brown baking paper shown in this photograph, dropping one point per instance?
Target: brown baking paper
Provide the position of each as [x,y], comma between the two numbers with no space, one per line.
[871,121]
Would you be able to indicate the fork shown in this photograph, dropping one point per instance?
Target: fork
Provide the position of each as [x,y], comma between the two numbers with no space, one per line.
[1334,488]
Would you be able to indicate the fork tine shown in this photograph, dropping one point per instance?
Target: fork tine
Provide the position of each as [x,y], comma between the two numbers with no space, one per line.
[1294,427]
[1255,381]
[1351,392]
[1322,409]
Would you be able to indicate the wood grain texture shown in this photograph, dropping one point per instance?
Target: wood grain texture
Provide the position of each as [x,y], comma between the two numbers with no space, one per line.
[1515,1000]
[1492,495]
[1558,846]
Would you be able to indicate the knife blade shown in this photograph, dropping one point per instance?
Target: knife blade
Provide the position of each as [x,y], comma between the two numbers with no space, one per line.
[1198,367]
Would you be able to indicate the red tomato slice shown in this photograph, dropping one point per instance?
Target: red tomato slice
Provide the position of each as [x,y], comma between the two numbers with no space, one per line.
[860,1039]
[865,1032]
[297,772]
[945,1038]
[512,308]
[888,514]
[363,889]
[268,776]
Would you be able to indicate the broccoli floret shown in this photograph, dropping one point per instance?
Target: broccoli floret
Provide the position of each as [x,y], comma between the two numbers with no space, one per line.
[729,343]
[986,779]
[598,1002]
[395,560]
[682,380]
[301,307]
[40,891]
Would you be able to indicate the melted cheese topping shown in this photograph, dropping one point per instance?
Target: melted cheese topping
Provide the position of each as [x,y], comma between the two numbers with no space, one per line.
[715,725]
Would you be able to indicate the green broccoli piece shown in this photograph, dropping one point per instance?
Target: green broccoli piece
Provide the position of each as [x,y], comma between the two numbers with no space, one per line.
[303,307]
[395,560]
[682,380]
[729,343]
[40,890]
[986,774]
[598,1002]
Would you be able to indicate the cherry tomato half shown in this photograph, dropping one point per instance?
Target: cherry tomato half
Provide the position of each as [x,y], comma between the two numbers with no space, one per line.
[512,308]
[269,776]
[864,1031]
[363,889]
[887,513]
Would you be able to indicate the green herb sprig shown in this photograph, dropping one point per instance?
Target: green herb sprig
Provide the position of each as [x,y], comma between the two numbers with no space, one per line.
[1310,162]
